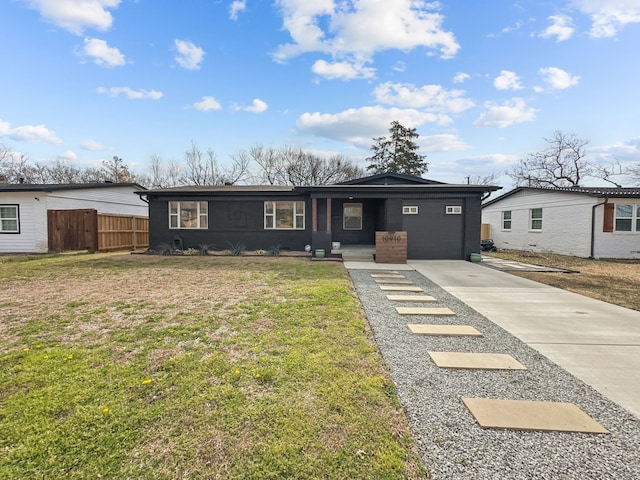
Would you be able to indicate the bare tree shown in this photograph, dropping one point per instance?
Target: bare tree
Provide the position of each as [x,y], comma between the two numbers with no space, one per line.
[115,170]
[294,166]
[490,179]
[633,173]
[561,164]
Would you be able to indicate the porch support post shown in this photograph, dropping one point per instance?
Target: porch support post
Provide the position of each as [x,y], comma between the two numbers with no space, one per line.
[328,214]
[314,214]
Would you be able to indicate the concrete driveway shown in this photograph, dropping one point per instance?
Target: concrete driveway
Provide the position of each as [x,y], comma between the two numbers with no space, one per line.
[595,341]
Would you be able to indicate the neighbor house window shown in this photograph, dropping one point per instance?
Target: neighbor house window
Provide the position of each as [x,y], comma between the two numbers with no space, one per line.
[188,215]
[284,215]
[536,218]
[352,216]
[627,218]
[506,220]
[9,219]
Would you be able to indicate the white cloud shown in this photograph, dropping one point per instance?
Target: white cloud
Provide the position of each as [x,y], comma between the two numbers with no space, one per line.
[68,155]
[461,77]
[237,7]
[207,103]
[507,81]
[29,133]
[609,16]
[92,145]
[561,28]
[342,70]
[557,79]
[102,53]
[257,106]
[627,152]
[76,15]
[362,28]
[360,125]
[510,112]
[429,97]
[130,93]
[445,142]
[189,55]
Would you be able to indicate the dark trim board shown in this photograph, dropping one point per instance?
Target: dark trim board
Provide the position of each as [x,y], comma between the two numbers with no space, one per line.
[444,222]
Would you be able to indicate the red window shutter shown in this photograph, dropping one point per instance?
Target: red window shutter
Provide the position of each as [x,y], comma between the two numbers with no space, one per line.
[607,225]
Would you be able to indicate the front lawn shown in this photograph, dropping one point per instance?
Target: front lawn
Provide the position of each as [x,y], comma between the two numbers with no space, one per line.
[133,366]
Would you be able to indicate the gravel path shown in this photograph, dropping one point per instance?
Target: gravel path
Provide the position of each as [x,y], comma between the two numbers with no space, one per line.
[450,441]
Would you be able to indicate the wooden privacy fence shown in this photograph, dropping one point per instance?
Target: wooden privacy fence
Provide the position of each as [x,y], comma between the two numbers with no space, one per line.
[122,232]
[89,230]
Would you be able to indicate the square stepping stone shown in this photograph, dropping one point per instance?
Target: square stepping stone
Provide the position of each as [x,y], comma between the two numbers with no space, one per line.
[531,415]
[450,330]
[411,298]
[406,288]
[483,361]
[393,281]
[424,311]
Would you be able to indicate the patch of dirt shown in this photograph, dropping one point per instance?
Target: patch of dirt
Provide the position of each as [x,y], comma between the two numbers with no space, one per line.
[612,281]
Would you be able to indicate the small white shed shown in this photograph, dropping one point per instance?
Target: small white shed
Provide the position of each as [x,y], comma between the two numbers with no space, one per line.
[24,207]
[580,221]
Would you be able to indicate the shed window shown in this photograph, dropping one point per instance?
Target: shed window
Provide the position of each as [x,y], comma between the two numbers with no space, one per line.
[506,220]
[188,215]
[535,215]
[627,217]
[9,219]
[284,215]
[352,216]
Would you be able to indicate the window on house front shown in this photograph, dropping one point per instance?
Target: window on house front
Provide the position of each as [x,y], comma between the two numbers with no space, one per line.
[284,215]
[352,216]
[506,220]
[627,217]
[188,215]
[536,218]
[410,210]
[453,210]
[9,219]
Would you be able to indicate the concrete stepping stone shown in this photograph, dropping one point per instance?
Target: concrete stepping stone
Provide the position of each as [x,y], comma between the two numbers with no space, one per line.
[390,275]
[383,271]
[531,415]
[424,311]
[446,330]
[411,298]
[393,281]
[482,361]
[406,288]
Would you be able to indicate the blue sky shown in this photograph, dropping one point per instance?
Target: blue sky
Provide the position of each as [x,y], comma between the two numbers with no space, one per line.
[482,82]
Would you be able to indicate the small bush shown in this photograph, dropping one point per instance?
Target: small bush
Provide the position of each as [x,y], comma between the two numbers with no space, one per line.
[236,249]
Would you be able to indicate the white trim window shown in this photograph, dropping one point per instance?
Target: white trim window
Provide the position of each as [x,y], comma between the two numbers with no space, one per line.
[535,219]
[453,210]
[352,216]
[284,215]
[410,210]
[627,217]
[506,220]
[9,219]
[188,215]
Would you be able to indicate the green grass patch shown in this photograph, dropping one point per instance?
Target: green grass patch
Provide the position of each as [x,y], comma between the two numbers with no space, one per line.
[235,368]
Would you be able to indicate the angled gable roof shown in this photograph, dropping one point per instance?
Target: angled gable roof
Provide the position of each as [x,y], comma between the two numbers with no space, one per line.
[390,179]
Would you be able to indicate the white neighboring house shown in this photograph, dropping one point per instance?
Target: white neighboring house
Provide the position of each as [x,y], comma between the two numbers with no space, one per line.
[23,209]
[578,221]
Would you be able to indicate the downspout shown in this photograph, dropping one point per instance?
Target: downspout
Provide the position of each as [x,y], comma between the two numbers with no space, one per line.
[593,224]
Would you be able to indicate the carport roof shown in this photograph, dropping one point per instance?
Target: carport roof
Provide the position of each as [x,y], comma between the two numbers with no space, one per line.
[599,192]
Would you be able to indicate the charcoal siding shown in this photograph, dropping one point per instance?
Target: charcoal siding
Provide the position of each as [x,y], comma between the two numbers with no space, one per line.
[231,221]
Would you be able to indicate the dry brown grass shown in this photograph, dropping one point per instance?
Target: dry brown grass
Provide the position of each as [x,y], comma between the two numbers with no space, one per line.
[612,281]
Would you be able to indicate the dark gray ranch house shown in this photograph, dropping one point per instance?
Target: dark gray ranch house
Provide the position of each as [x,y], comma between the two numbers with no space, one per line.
[442,220]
